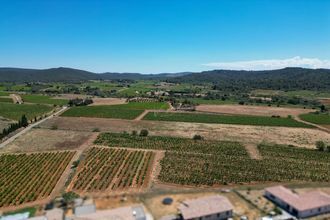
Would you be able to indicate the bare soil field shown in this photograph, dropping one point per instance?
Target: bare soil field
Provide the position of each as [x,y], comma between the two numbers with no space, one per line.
[108,101]
[45,140]
[158,209]
[301,137]
[252,110]
[325,101]
[71,96]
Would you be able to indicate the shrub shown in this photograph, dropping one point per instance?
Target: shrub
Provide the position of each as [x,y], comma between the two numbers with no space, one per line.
[197,137]
[134,133]
[96,130]
[144,133]
[320,145]
[69,196]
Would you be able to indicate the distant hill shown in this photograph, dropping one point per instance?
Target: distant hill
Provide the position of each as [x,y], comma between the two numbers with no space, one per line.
[71,75]
[284,79]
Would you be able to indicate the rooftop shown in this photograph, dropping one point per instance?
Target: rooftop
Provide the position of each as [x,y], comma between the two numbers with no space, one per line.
[301,202]
[204,206]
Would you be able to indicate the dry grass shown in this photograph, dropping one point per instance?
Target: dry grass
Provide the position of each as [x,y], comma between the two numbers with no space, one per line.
[252,110]
[4,123]
[301,137]
[108,101]
[45,140]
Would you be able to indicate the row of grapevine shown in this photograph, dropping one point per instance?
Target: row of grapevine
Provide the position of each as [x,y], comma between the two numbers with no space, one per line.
[29,177]
[115,169]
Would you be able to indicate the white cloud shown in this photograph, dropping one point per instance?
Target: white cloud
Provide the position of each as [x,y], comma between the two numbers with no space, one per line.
[297,61]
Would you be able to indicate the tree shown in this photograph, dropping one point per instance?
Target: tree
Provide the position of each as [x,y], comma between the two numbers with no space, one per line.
[320,145]
[24,122]
[69,196]
[197,137]
[144,133]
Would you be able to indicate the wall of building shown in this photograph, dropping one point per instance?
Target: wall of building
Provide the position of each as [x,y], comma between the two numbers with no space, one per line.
[218,216]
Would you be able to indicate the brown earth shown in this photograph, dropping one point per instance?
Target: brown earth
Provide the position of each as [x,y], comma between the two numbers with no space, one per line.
[4,123]
[252,110]
[108,101]
[302,137]
[45,140]
[71,96]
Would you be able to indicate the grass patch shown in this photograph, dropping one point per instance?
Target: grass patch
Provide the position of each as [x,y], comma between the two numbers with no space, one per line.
[31,210]
[15,111]
[225,119]
[124,111]
[320,118]
[42,99]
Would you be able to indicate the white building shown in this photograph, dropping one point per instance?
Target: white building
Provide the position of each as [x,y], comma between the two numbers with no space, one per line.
[211,208]
[300,205]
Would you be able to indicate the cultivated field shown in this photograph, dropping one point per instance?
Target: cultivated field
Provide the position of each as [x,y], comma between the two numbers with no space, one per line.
[37,140]
[15,111]
[105,169]
[252,110]
[323,119]
[108,101]
[30,177]
[6,99]
[125,111]
[300,137]
[221,163]
[225,119]
[43,99]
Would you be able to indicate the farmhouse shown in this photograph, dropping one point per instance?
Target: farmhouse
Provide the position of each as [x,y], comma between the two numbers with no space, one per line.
[210,207]
[301,205]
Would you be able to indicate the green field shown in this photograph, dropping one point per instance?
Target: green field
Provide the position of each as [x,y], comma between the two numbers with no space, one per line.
[321,118]
[5,99]
[3,93]
[219,162]
[124,111]
[202,101]
[225,119]
[15,111]
[42,99]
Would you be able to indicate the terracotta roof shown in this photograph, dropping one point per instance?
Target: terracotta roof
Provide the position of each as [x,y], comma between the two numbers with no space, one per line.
[204,206]
[301,202]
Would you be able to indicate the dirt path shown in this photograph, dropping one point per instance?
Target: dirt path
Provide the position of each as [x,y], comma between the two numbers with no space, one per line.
[253,151]
[16,98]
[141,116]
[296,117]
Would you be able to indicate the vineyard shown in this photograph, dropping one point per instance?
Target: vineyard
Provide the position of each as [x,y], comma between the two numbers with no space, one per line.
[168,143]
[113,169]
[279,164]
[225,119]
[30,177]
[219,162]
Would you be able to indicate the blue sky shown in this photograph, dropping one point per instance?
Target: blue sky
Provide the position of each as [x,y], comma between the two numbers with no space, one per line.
[152,36]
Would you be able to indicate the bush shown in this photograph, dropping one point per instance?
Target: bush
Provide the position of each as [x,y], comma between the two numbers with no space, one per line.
[197,137]
[96,130]
[69,196]
[144,133]
[320,145]
[134,133]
